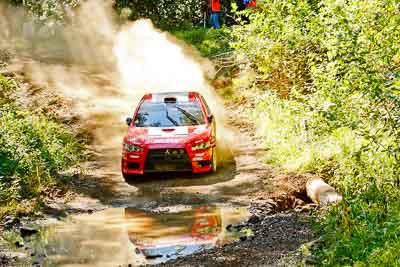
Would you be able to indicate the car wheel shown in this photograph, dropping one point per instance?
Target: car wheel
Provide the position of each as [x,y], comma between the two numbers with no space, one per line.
[126,176]
[129,177]
[214,163]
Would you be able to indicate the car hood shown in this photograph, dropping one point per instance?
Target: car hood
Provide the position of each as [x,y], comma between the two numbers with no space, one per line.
[154,135]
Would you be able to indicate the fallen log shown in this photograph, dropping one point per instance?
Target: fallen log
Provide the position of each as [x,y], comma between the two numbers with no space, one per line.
[321,193]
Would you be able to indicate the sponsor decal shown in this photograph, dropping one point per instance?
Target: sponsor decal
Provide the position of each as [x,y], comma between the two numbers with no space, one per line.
[178,131]
[172,140]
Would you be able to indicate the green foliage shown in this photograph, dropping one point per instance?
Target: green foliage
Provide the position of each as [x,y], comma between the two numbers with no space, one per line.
[6,88]
[209,42]
[335,69]
[366,232]
[167,14]
[33,150]
[276,44]
[171,14]
[47,9]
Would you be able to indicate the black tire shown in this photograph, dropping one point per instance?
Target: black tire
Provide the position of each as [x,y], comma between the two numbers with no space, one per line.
[129,177]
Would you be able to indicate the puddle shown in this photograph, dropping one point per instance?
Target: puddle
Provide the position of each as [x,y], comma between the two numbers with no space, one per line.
[118,237]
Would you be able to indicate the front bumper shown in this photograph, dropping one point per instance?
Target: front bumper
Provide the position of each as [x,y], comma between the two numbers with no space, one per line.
[166,159]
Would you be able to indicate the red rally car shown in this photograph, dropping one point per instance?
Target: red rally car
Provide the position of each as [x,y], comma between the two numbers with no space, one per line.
[170,132]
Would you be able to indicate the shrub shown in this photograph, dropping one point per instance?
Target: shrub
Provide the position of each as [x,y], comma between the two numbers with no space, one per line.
[7,86]
[166,14]
[334,68]
[47,9]
[208,41]
[33,150]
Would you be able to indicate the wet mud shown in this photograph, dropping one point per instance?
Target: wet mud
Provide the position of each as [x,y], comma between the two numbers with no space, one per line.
[124,236]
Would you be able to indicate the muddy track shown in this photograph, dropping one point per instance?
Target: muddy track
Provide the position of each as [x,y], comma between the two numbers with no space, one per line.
[271,198]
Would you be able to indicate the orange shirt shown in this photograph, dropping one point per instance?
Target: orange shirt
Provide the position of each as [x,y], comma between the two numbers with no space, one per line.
[215,5]
[253,3]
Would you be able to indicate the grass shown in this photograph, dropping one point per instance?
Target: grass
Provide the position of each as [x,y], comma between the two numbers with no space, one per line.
[209,42]
[33,151]
[335,113]
[363,229]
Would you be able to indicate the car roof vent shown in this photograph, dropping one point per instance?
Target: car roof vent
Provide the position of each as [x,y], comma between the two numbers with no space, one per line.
[169,100]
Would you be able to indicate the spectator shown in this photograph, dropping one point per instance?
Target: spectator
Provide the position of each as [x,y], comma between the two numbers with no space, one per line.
[215,6]
[250,3]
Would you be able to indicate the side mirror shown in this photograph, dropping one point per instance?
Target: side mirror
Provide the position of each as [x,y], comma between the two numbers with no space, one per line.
[210,118]
[129,121]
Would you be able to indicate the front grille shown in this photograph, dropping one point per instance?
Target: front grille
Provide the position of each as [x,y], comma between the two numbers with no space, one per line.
[167,154]
[160,160]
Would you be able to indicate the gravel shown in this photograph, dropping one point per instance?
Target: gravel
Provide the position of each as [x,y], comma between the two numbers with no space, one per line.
[276,240]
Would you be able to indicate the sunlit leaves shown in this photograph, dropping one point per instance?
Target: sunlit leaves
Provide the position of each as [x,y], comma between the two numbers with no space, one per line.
[166,13]
[33,149]
[343,56]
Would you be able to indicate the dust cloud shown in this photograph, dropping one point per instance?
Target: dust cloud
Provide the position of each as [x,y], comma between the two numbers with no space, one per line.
[105,65]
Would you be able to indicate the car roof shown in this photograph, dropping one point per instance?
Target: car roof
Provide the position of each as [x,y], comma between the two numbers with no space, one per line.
[180,96]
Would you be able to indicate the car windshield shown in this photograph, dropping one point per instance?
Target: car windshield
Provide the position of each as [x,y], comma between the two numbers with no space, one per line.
[162,114]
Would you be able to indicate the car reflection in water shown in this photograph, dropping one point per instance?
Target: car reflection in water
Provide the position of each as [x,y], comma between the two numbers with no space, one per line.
[159,237]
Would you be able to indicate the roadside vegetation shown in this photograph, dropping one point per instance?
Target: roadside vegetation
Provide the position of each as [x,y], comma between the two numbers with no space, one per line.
[34,149]
[209,42]
[324,77]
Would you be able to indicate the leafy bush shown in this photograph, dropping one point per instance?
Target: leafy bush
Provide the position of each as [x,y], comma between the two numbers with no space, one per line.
[208,41]
[335,69]
[167,14]
[47,9]
[33,150]
[6,88]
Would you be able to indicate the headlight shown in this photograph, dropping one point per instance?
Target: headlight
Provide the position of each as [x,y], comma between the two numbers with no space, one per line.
[132,148]
[201,146]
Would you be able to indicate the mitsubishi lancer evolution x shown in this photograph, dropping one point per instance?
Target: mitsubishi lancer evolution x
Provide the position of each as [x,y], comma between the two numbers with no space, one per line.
[170,132]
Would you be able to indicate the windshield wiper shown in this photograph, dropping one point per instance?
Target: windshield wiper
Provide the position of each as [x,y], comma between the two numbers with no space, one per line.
[174,122]
[189,115]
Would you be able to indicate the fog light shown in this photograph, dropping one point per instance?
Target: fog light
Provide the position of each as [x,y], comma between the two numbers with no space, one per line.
[201,146]
[132,148]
